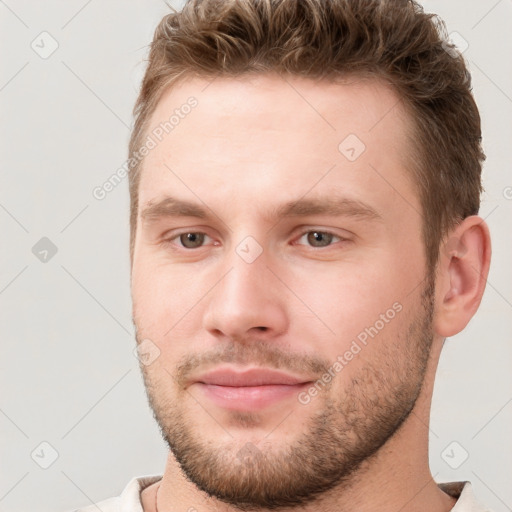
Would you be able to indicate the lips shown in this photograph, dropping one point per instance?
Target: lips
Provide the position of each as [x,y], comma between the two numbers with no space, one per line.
[249,390]
[249,378]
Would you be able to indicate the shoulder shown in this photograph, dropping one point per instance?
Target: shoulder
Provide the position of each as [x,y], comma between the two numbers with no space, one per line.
[466,499]
[128,501]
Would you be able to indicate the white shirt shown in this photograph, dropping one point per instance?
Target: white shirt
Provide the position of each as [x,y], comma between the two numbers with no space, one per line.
[129,499]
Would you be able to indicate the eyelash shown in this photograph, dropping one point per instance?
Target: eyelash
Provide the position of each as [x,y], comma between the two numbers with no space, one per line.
[305,233]
[338,238]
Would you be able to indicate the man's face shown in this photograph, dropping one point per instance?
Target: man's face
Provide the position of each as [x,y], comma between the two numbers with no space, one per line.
[298,252]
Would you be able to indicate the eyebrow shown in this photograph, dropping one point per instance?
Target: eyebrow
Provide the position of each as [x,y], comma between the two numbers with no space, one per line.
[334,206]
[172,207]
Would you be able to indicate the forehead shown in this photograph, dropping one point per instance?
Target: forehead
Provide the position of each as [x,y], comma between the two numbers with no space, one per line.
[252,135]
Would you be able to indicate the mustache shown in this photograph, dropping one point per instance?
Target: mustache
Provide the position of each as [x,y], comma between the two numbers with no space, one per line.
[257,353]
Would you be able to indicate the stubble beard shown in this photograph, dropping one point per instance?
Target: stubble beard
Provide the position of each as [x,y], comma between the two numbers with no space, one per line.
[332,445]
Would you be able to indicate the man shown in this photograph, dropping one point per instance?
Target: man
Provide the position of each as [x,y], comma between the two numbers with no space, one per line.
[305,182]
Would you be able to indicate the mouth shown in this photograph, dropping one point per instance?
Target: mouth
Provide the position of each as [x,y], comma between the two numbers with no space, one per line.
[249,390]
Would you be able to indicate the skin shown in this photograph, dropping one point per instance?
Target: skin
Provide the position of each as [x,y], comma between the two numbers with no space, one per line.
[251,145]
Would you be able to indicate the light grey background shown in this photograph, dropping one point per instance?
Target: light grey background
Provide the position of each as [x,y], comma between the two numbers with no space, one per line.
[68,376]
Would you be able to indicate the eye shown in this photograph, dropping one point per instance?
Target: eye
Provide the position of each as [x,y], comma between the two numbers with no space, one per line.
[319,238]
[191,240]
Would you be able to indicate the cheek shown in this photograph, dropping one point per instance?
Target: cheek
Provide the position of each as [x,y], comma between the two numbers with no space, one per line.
[163,298]
[348,299]
[368,311]
[162,311]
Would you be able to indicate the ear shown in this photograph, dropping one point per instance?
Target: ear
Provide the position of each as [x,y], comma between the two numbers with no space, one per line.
[462,270]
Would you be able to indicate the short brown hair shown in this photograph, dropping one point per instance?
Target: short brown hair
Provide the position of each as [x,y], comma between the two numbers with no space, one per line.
[393,40]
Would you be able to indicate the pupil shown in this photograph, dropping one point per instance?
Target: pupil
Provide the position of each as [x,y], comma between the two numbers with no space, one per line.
[317,238]
[191,240]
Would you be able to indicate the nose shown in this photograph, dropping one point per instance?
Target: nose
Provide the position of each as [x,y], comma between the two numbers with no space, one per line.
[246,302]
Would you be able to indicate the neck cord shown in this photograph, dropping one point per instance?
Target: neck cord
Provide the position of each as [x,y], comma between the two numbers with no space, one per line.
[156,497]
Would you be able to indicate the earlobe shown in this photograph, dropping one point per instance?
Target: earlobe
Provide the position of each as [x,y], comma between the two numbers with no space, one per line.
[462,273]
